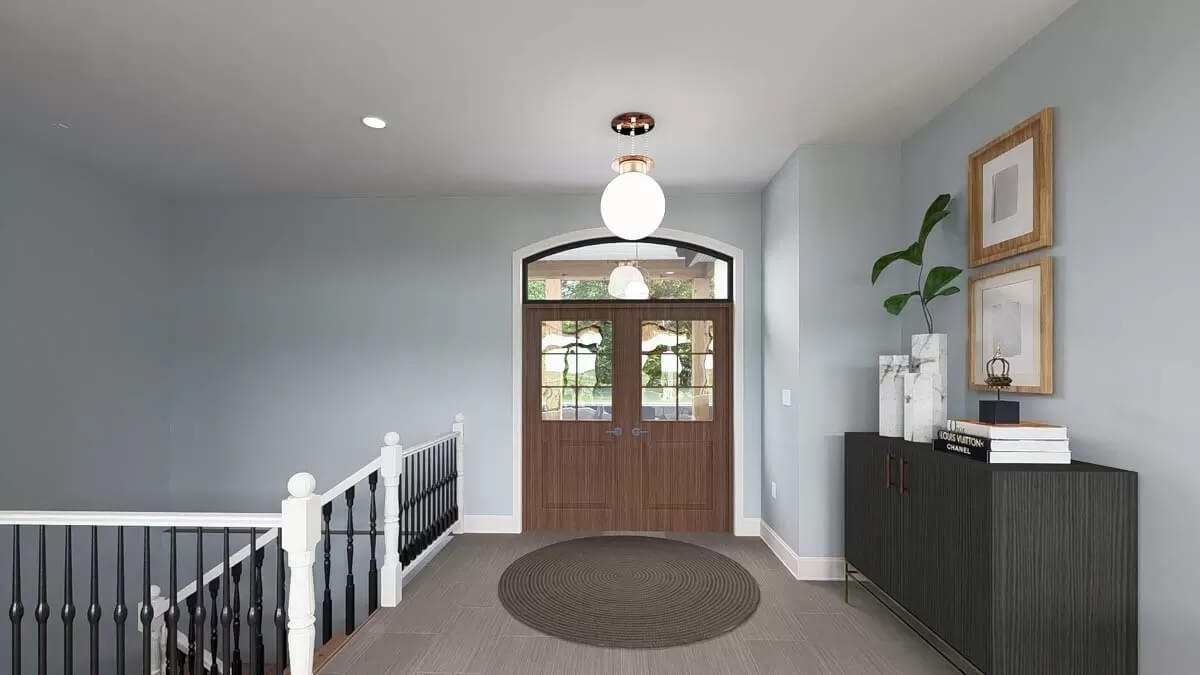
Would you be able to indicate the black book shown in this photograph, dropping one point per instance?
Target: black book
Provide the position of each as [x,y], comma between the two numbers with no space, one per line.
[962,444]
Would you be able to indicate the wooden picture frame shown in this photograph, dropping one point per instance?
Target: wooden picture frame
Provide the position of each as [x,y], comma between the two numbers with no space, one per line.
[1021,312]
[1010,192]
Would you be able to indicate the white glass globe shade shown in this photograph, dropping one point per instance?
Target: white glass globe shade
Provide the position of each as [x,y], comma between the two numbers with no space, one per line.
[621,277]
[637,290]
[633,205]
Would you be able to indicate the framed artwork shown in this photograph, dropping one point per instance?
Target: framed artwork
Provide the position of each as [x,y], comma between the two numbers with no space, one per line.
[1010,190]
[1012,308]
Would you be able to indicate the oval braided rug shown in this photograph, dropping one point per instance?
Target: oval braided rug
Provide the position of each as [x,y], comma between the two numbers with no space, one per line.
[630,592]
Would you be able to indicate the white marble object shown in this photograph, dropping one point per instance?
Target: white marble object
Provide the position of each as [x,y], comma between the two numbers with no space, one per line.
[925,403]
[891,394]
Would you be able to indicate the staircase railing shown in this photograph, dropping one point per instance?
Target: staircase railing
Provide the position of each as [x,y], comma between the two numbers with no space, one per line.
[423,496]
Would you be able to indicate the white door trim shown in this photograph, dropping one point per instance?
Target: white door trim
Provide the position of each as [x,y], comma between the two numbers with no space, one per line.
[741,527]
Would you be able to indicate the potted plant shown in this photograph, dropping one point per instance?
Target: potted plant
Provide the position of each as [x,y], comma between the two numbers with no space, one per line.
[924,398]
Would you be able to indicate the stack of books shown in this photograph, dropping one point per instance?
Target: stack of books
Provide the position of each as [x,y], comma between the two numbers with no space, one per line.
[1024,443]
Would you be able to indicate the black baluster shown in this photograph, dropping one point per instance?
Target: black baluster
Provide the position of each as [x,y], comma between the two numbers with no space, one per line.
[252,619]
[372,533]
[213,642]
[42,611]
[454,489]
[280,608]
[349,607]
[256,600]
[226,610]
[197,639]
[16,611]
[327,598]
[94,612]
[405,476]
[431,500]
[188,660]
[444,502]
[172,617]
[146,612]
[236,665]
[68,609]
[120,610]
[427,498]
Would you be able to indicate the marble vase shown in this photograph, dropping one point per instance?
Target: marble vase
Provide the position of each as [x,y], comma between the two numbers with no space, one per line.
[925,387]
[892,369]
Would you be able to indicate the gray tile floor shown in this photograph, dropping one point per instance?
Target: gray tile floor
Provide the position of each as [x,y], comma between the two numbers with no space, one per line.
[451,621]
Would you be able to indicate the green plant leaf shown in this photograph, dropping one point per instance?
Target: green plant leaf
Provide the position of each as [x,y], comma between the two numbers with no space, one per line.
[909,254]
[895,304]
[949,290]
[937,279]
[935,214]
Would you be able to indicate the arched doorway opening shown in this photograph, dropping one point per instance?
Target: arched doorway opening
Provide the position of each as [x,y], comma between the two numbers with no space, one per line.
[627,406]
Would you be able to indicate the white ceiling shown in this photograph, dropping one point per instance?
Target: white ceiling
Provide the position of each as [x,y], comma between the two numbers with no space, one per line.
[263,97]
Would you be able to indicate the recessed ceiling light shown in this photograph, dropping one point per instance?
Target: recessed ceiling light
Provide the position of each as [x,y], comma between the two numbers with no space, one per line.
[63,125]
[374,122]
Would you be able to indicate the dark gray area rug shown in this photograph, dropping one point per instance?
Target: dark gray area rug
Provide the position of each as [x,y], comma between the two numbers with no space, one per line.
[631,592]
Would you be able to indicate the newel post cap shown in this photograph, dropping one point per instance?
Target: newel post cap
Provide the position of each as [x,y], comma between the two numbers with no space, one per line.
[391,438]
[459,418]
[302,485]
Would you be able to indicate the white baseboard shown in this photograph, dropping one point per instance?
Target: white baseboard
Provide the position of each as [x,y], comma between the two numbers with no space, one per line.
[492,524]
[779,547]
[803,568]
[748,527]
[821,569]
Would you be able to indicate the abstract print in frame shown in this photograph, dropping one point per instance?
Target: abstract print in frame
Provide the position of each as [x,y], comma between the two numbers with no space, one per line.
[1012,308]
[1010,188]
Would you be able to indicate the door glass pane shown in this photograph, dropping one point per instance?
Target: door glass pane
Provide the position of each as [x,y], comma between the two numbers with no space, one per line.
[696,404]
[658,403]
[576,370]
[677,370]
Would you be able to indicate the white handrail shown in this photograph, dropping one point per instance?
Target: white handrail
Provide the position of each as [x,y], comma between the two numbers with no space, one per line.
[262,521]
[350,481]
[428,444]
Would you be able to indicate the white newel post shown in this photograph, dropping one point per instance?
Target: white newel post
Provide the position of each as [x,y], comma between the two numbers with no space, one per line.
[391,585]
[300,534]
[461,444]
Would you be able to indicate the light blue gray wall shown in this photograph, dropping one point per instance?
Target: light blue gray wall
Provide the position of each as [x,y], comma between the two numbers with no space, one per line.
[1123,79]
[83,371]
[304,330]
[83,349]
[781,350]
[827,215]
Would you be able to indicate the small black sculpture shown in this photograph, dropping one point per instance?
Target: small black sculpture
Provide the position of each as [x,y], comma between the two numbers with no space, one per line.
[998,411]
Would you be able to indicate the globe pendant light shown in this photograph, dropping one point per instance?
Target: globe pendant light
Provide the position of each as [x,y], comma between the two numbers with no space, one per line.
[622,277]
[633,204]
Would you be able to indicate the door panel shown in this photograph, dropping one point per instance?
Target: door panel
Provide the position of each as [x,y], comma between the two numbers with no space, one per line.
[571,451]
[682,431]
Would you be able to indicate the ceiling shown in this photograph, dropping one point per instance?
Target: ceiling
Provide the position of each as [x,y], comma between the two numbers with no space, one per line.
[228,97]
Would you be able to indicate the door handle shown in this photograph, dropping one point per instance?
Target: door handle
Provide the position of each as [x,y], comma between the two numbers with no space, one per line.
[639,432]
[903,476]
[888,470]
[614,432]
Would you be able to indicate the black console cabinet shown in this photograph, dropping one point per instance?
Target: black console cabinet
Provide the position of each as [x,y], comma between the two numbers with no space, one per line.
[1021,568]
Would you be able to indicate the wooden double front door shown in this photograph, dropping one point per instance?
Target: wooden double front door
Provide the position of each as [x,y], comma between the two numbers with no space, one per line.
[627,417]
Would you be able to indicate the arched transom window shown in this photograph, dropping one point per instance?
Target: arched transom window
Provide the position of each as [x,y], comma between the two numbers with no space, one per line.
[652,269]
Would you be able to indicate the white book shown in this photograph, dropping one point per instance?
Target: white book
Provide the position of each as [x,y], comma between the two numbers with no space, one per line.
[1025,431]
[1029,446]
[1029,458]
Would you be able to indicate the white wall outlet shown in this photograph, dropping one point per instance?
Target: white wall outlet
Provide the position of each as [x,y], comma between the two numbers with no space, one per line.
[787,397]
[772,489]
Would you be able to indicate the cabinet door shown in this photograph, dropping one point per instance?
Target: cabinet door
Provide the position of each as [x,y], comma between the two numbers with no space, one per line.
[871,517]
[944,547]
